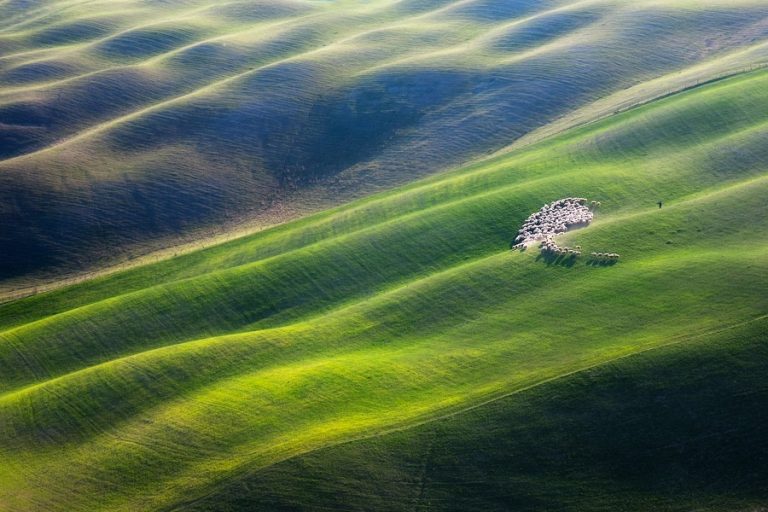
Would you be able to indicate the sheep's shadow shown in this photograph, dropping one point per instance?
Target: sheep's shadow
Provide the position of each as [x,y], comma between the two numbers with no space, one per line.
[569,260]
[562,260]
[601,263]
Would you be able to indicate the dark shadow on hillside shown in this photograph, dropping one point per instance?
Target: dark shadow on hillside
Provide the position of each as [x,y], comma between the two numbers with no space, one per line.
[562,260]
[601,263]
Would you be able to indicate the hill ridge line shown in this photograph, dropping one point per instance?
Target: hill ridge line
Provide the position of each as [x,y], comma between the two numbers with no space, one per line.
[691,198]
[314,244]
[533,138]
[612,219]
[212,86]
[701,195]
[301,323]
[9,394]
[48,10]
[135,65]
[489,33]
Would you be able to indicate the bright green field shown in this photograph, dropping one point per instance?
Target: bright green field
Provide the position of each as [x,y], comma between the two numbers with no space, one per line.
[394,354]
[134,126]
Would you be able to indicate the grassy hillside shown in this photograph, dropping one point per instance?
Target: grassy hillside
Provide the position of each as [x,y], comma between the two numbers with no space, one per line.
[127,126]
[672,429]
[301,362]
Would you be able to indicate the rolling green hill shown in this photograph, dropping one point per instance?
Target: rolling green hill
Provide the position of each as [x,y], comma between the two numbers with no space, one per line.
[393,353]
[127,126]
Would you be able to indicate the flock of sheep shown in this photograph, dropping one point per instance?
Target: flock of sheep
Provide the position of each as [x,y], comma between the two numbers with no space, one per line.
[556,218]
[604,256]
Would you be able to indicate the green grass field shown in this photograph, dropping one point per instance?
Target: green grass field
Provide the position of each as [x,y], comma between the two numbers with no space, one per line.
[130,126]
[394,354]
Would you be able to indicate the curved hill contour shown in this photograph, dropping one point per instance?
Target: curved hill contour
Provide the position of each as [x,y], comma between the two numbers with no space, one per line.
[399,340]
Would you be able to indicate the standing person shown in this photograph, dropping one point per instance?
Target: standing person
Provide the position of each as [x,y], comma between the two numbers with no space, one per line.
[660,203]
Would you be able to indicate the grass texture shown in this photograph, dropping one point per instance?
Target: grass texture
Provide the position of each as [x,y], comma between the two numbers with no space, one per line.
[393,353]
[127,125]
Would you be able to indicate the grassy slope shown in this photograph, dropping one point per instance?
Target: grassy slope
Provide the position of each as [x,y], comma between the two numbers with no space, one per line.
[126,124]
[148,388]
[678,428]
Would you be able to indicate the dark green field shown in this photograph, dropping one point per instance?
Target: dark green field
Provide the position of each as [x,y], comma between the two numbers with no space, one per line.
[394,354]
